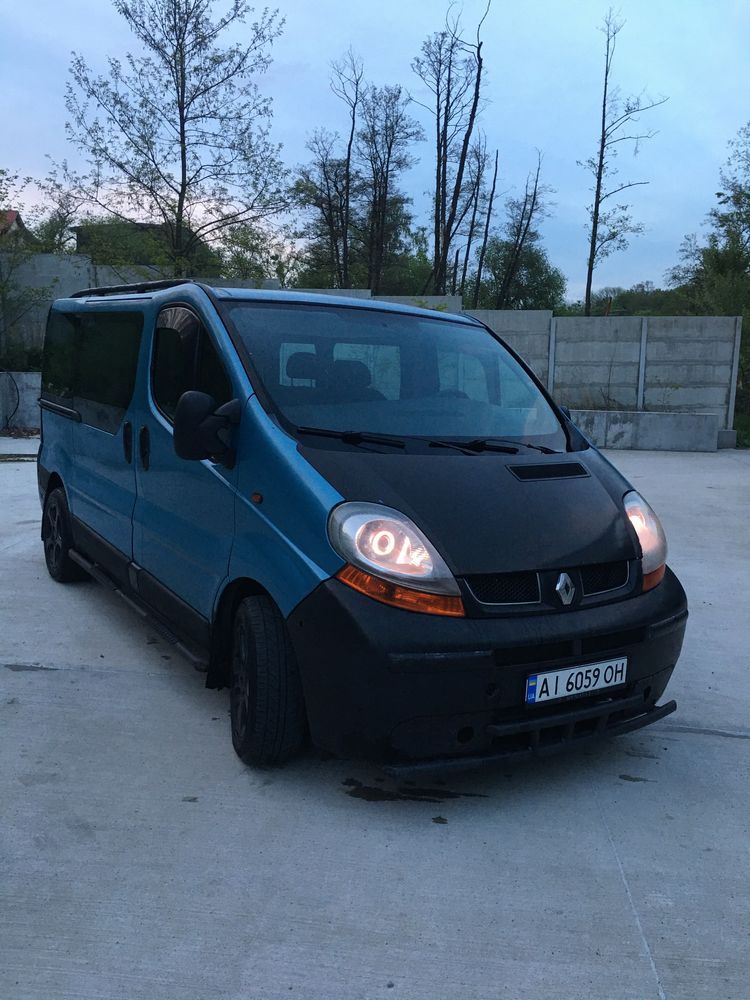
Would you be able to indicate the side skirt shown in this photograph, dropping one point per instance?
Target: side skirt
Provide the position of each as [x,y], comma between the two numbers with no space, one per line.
[178,623]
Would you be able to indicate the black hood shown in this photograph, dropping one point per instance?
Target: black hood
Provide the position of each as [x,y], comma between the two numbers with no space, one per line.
[480,512]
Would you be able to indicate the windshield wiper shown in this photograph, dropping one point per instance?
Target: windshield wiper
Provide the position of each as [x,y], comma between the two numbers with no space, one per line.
[477,445]
[473,447]
[500,444]
[355,437]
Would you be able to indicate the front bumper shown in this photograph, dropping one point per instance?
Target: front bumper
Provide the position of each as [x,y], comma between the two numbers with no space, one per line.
[403,688]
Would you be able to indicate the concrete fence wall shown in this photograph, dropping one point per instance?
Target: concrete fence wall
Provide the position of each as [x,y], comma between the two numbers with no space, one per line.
[653,363]
[677,364]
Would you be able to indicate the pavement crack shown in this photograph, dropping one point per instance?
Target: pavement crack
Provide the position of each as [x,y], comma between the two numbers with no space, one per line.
[629,894]
[697,731]
[24,667]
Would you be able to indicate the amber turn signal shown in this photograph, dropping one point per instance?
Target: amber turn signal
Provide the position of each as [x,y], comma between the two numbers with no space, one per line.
[400,597]
[650,580]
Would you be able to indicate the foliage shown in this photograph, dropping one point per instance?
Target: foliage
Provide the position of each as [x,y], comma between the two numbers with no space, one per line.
[522,279]
[252,254]
[714,275]
[17,300]
[179,135]
[356,221]
[642,299]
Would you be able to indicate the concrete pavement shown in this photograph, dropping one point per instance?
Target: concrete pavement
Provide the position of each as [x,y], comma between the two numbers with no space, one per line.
[140,859]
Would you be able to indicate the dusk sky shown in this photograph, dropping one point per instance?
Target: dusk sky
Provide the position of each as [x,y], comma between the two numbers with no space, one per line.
[544,63]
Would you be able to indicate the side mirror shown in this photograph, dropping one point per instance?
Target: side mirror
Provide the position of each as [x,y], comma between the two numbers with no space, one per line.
[203,431]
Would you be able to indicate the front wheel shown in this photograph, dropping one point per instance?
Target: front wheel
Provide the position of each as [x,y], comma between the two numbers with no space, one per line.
[266,702]
[57,539]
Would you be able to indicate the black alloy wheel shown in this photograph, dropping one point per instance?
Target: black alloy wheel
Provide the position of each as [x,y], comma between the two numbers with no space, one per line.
[56,537]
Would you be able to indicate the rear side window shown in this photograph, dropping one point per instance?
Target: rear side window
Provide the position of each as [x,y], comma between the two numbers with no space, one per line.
[58,365]
[90,362]
[185,358]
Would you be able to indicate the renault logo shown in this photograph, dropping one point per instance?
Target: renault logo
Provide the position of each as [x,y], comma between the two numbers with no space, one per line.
[565,589]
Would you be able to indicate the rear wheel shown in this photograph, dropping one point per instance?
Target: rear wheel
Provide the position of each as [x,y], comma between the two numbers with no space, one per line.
[58,540]
[266,702]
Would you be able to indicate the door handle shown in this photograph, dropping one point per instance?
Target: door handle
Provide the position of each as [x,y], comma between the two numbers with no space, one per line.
[144,446]
[127,441]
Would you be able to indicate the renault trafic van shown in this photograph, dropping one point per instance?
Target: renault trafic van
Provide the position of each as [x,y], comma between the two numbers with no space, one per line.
[371,522]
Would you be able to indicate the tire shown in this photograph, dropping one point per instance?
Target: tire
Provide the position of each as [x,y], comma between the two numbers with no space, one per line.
[266,702]
[58,539]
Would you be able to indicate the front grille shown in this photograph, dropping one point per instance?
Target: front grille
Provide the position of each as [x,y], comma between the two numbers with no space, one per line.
[505,588]
[602,577]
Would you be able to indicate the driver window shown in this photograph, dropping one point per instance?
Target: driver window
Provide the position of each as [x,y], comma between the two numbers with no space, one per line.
[185,358]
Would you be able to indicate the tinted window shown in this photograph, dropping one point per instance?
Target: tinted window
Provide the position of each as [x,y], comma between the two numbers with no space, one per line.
[185,358]
[59,356]
[107,357]
[90,361]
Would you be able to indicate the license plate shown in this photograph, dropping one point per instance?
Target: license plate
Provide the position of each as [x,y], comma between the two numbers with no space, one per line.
[556,684]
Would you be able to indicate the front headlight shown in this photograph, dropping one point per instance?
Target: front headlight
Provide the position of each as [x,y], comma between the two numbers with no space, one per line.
[390,559]
[651,537]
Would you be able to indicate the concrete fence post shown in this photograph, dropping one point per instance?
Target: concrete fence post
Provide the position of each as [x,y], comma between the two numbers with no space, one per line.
[735,372]
[551,356]
[641,393]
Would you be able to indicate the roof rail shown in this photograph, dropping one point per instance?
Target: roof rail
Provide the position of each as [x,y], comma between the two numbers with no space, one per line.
[141,286]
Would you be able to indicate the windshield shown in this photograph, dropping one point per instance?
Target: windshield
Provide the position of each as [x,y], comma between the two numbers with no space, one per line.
[349,369]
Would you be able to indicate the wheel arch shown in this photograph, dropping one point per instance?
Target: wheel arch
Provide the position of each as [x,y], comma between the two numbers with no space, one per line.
[221,628]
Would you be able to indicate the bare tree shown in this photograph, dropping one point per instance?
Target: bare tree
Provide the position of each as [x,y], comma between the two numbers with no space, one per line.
[321,186]
[522,214]
[610,227]
[346,83]
[451,68]
[487,222]
[477,166]
[180,134]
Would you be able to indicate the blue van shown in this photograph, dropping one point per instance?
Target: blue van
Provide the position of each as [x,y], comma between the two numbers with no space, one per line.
[370,522]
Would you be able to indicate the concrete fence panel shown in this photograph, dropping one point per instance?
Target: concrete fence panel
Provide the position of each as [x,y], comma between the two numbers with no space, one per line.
[597,362]
[690,364]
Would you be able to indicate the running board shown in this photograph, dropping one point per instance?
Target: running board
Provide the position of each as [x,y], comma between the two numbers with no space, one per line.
[198,660]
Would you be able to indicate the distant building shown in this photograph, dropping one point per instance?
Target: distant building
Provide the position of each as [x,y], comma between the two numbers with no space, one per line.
[12,227]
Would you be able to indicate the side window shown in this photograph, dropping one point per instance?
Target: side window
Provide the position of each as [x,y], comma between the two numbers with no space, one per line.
[106,362]
[58,364]
[462,374]
[185,358]
[90,361]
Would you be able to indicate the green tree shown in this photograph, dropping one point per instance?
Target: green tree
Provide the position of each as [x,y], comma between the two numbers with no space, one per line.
[251,254]
[383,152]
[17,245]
[713,274]
[179,134]
[534,283]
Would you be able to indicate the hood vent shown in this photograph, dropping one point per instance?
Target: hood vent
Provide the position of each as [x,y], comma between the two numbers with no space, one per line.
[550,470]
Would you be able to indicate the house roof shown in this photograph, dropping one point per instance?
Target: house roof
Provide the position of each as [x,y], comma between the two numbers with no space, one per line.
[10,219]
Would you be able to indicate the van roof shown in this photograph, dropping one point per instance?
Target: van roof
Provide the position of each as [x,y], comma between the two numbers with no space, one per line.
[148,288]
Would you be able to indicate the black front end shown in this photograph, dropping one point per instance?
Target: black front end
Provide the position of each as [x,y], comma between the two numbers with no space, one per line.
[424,692]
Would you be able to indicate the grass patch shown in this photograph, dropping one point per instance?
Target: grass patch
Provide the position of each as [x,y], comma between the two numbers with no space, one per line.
[742,426]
